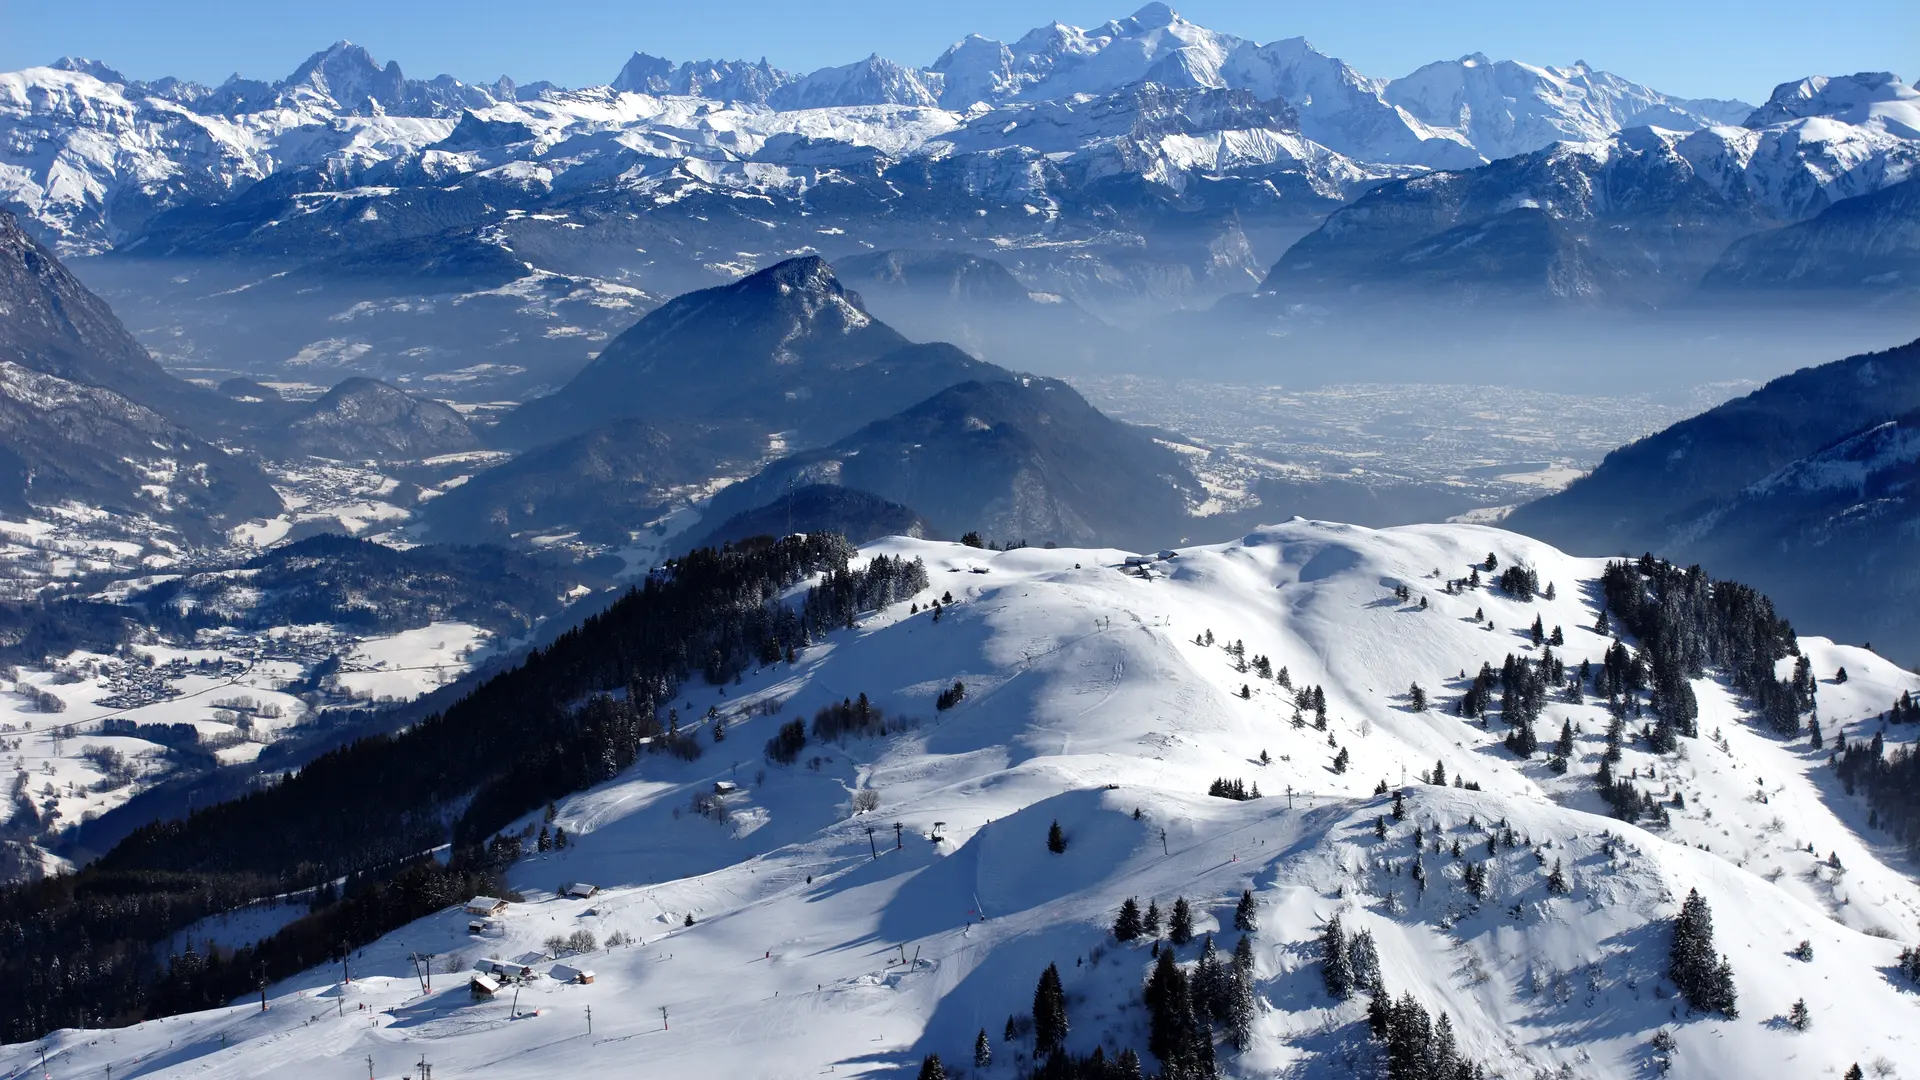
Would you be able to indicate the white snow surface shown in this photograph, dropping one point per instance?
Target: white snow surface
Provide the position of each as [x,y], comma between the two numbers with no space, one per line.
[1089,702]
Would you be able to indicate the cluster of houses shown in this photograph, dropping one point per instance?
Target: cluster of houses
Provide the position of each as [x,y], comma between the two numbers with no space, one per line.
[491,975]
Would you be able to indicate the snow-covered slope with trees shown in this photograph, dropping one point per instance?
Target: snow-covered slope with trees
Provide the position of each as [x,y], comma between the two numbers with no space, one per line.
[768,919]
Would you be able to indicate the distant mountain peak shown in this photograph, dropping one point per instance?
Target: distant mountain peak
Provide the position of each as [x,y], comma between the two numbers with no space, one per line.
[1156,15]
[88,67]
[1856,98]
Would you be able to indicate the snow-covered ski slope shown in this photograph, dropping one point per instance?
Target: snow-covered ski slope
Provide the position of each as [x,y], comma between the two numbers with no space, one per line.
[1088,701]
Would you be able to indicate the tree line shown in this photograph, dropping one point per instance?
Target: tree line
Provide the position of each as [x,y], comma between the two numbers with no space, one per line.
[571,715]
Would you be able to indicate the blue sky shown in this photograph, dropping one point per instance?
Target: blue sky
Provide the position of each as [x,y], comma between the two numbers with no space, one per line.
[1693,49]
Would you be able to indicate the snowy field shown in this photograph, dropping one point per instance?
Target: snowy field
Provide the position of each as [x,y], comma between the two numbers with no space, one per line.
[233,703]
[403,666]
[791,936]
[233,694]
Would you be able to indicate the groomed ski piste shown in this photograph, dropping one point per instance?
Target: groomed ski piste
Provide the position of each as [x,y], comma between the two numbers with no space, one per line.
[821,944]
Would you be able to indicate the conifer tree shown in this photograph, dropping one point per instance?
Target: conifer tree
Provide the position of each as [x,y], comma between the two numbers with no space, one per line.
[1380,1013]
[1522,740]
[1126,927]
[1557,880]
[931,1069]
[1704,977]
[1563,746]
[1212,991]
[1056,840]
[1244,918]
[1240,1004]
[1336,965]
[1799,1016]
[1170,1011]
[1363,958]
[1151,925]
[1049,1013]
[1180,926]
[982,1050]
[1446,1054]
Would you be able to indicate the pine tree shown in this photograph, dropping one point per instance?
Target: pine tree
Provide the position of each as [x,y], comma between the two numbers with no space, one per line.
[1336,965]
[1127,1065]
[1013,1030]
[1854,1073]
[1127,926]
[1240,1004]
[1446,1054]
[1799,1016]
[1704,978]
[1211,989]
[1521,739]
[1244,918]
[1151,925]
[1380,1013]
[1557,880]
[1364,960]
[931,1069]
[1539,632]
[1563,746]
[1399,806]
[1056,840]
[1417,697]
[982,1050]
[1180,926]
[1049,1013]
[1170,1008]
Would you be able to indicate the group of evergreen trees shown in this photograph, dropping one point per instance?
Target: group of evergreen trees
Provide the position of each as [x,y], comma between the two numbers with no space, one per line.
[1703,976]
[1520,582]
[1417,1046]
[1236,789]
[1185,1005]
[1890,781]
[1347,964]
[857,717]
[1687,624]
[843,592]
[951,696]
[1905,710]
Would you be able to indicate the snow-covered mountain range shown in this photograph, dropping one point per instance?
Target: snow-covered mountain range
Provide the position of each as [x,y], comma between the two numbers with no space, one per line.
[90,156]
[349,220]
